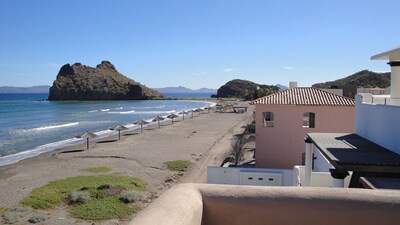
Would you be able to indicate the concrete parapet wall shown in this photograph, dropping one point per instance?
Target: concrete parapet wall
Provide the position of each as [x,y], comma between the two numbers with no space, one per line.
[205,204]
[378,123]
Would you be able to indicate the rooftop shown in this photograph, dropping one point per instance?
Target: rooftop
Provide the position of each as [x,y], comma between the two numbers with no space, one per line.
[392,54]
[353,151]
[304,96]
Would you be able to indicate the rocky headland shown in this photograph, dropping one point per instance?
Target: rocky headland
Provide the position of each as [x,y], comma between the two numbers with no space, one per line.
[244,89]
[80,82]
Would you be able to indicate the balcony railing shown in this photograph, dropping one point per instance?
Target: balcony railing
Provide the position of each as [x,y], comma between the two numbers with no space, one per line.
[378,99]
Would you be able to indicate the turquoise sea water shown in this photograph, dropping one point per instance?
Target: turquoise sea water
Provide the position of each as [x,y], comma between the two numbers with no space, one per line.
[29,126]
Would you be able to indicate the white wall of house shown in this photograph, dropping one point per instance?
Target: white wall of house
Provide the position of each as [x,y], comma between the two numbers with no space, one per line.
[378,123]
[318,179]
[249,176]
[321,164]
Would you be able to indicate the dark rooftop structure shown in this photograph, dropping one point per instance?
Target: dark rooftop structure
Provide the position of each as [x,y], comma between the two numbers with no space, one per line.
[351,152]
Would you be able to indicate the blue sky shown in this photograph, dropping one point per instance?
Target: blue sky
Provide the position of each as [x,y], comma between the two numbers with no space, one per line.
[197,43]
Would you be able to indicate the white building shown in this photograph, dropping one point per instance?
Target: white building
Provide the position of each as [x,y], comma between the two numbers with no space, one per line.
[374,150]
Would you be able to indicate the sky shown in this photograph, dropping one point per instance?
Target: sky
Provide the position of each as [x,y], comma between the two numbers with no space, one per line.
[195,43]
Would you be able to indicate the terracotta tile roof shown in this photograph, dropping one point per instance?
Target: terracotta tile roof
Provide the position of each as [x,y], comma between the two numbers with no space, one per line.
[304,96]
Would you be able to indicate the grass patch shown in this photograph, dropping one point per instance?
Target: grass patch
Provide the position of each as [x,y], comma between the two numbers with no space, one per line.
[53,193]
[102,209]
[178,165]
[101,169]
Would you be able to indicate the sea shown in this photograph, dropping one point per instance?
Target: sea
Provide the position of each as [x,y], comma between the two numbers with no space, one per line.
[30,125]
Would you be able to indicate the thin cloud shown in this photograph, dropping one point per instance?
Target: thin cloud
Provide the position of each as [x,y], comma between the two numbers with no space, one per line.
[228,70]
[200,74]
[288,68]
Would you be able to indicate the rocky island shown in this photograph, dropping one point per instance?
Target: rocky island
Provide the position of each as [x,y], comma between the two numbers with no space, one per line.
[80,82]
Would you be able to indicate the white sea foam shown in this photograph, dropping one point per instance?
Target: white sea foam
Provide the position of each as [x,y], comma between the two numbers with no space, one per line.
[104,110]
[148,107]
[123,112]
[9,159]
[155,112]
[92,111]
[49,127]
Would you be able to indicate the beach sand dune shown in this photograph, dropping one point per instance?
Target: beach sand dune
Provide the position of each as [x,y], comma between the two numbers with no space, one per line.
[204,140]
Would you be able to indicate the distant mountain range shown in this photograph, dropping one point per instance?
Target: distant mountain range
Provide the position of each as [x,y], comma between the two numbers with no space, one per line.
[281,87]
[34,89]
[181,89]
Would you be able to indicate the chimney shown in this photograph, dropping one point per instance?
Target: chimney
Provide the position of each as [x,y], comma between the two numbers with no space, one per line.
[393,56]
[292,84]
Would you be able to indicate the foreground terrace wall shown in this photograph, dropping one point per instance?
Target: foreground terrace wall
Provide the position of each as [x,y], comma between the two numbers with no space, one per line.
[205,204]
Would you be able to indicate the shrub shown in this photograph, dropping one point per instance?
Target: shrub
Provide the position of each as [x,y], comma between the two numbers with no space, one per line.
[131,196]
[78,197]
[38,217]
[14,215]
[10,217]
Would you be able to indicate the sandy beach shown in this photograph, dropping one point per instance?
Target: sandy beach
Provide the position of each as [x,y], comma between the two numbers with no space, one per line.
[204,140]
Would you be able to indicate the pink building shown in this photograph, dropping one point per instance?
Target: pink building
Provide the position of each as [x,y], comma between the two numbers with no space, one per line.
[283,120]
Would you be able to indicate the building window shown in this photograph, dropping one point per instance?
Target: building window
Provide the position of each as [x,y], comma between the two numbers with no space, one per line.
[309,120]
[268,118]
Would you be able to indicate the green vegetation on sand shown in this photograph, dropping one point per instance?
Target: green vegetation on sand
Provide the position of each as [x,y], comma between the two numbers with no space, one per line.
[101,169]
[102,209]
[177,165]
[102,201]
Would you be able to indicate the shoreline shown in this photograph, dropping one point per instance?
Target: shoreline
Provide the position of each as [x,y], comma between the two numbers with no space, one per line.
[53,146]
[202,140]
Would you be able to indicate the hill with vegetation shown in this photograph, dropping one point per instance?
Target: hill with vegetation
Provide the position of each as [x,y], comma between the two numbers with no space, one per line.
[364,78]
[244,89]
[80,82]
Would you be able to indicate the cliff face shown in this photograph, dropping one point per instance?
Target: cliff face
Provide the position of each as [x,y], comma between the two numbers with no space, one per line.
[80,82]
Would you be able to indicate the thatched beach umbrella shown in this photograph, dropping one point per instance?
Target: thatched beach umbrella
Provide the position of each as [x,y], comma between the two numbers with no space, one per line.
[119,128]
[141,123]
[191,113]
[87,135]
[158,119]
[183,114]
[172,116]
[198,110]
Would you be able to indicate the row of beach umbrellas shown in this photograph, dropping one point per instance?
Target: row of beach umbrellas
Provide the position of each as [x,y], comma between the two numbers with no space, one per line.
[120,128]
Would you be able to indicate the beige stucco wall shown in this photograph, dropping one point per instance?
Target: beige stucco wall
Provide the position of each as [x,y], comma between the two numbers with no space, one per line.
[282,146]
[205,204]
